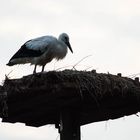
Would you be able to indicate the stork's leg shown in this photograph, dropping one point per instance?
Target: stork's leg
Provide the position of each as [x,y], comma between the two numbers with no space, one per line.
[43,68]
[34,69]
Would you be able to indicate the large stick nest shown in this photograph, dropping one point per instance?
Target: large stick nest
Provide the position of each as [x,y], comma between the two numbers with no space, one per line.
[39,99]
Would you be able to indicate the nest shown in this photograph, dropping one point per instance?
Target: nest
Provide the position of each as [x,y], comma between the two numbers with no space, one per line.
[38,99]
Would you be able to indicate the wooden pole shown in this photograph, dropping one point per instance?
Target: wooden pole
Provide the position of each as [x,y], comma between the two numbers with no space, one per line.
[69,125]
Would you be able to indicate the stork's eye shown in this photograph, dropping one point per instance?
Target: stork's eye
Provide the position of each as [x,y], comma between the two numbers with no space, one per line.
[66,38]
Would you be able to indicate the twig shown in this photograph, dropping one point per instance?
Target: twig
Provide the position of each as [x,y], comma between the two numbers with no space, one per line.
[80,61]
[63,67]
[133,75]
[7,76]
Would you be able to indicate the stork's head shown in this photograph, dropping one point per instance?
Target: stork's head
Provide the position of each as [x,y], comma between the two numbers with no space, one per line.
[65,38]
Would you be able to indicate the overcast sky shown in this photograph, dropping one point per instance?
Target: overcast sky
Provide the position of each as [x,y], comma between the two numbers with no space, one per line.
[108,30]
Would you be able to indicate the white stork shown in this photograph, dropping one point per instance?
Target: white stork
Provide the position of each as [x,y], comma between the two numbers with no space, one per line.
[41,50]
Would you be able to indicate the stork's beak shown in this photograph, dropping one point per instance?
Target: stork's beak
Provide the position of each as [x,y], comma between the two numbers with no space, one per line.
[69,46]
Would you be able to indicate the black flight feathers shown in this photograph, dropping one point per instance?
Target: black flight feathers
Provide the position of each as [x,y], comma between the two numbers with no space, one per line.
[25,52]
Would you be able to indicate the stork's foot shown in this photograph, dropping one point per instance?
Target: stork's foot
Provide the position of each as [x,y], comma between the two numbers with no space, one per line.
[43,68]
[34,72]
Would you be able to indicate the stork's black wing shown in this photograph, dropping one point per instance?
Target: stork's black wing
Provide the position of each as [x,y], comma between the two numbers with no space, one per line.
[25,52]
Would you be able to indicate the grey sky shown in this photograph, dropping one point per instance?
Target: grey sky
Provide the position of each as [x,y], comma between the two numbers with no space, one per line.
[108,30]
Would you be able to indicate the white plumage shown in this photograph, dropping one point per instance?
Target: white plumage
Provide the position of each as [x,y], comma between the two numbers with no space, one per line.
[42,50]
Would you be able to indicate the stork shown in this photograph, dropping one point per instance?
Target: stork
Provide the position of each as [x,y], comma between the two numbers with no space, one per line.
[41,50]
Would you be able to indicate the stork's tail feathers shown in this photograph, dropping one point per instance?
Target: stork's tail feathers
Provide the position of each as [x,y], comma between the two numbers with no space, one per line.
[10,63]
